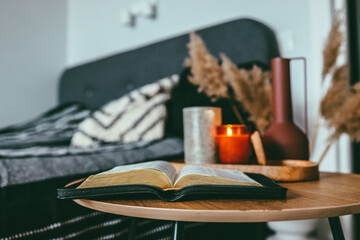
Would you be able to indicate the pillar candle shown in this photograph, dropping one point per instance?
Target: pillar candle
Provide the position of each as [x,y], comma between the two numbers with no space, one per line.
[200,134]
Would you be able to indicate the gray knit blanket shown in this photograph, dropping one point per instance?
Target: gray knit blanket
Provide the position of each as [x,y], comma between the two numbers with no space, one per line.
[40,150]
[15,171]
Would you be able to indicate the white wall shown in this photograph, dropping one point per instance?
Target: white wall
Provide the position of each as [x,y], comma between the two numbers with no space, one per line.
[95,30]
[32,54]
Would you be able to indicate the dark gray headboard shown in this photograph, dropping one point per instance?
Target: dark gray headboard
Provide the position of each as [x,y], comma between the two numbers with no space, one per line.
[95,83]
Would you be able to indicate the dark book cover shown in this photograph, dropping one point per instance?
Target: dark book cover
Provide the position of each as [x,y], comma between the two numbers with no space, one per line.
[268,190]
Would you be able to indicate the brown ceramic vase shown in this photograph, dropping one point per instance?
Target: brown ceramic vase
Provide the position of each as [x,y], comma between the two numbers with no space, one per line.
[283,140]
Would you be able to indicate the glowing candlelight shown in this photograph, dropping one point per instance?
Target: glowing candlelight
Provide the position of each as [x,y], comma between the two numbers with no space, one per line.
[229,131]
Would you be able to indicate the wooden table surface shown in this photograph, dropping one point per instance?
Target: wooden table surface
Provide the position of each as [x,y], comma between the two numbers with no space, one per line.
[335,194]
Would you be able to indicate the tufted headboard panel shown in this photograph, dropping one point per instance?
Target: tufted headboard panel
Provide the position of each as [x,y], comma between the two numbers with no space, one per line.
[97,82]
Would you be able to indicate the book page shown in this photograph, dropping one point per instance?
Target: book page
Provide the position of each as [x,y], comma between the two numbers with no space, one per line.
[156,173]
[158,165]
[219,175]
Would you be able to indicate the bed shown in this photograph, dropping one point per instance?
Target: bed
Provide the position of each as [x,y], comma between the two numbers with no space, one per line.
[35,158]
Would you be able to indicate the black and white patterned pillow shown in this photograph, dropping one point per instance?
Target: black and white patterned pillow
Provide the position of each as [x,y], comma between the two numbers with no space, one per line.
[137,116]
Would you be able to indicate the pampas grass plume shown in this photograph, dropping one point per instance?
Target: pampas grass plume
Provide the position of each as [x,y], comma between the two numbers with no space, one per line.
[332,46]
[205,70]
[348,118]
[252,89]
[337,94]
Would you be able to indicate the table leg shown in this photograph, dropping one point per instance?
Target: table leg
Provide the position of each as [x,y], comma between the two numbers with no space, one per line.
[336,229]
[132,229]
[178,230]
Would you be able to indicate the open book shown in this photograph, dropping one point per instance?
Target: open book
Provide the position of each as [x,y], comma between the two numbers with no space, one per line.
[159,179]
[163,175]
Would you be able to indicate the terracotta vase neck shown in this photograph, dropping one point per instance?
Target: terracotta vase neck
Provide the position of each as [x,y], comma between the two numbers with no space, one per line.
[281,90]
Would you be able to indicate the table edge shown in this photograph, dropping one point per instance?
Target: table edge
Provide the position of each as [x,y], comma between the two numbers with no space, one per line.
[199,215]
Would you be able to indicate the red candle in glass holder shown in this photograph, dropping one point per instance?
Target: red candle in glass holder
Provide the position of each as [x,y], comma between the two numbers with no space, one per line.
[234,143]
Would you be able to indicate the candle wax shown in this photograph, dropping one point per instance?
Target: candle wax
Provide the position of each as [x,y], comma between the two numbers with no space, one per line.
[234,148]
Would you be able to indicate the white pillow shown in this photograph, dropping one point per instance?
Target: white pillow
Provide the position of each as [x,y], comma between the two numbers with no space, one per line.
[137,116]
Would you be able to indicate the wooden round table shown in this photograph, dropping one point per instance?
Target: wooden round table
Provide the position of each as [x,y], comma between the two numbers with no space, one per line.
[335,194]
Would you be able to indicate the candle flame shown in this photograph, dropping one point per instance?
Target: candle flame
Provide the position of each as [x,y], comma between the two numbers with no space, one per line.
[229,131]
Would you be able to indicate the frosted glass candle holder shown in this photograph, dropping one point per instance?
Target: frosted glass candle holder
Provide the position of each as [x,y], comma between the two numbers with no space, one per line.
[200,134]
